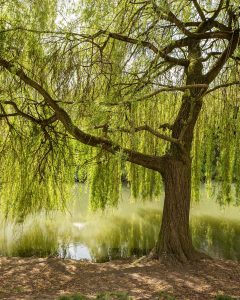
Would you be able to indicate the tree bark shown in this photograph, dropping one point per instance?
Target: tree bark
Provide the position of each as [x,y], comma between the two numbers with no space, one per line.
[175,239]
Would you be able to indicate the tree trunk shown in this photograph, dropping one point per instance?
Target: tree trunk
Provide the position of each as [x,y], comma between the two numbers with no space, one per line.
[174,241]
[174,238]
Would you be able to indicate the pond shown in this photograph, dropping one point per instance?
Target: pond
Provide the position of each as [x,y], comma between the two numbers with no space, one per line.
[130,230]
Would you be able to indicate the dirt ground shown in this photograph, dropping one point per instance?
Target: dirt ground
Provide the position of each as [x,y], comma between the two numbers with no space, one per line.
[48,278]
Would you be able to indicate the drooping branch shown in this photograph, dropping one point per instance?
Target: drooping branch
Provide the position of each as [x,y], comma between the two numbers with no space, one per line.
[148,161]
[155,93]
[42,122]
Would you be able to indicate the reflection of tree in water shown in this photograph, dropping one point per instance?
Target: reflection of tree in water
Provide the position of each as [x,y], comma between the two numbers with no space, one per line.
[218,237]
[136,235]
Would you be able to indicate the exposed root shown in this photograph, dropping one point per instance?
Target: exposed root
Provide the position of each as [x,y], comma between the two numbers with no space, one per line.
[179,259]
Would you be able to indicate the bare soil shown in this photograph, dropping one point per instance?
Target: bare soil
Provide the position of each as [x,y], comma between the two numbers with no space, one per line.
[48,278]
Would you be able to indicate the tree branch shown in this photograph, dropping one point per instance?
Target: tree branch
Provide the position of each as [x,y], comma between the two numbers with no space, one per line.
[161,53]
[19,112]
[223,86]
[166,14]
[169,16]
[228,52]
[165,89]
[8,115]
[153,132]
[199,10]
[145,160]
[217,11]
[216,53]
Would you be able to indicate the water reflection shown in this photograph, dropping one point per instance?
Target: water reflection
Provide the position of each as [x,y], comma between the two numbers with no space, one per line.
[220,238]
[136,237]
[129,231]
[75,251]
[119,237]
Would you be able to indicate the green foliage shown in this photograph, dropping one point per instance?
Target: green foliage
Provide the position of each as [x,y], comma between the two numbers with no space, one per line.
[113,296]
[223,297]
[34,176]
[37,241]
[165,296]
[215,148]
[105,184]
[87,75]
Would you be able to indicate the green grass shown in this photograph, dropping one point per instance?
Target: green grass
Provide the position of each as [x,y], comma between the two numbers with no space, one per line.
[113,296]
[73,297]
[223,297]
[165,296]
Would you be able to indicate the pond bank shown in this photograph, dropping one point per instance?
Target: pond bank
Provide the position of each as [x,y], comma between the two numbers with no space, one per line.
[48,278]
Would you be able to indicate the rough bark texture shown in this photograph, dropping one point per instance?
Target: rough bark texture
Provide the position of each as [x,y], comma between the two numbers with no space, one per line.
[175,239]
[175,242]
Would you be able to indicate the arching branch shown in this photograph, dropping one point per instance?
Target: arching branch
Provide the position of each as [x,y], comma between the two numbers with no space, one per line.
[148,161]
[166,14]
[228,52]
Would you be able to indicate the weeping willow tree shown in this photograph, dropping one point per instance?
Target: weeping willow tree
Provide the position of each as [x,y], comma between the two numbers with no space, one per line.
[144,88]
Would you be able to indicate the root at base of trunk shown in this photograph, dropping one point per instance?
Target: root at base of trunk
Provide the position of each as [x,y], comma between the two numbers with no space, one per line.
[181,258]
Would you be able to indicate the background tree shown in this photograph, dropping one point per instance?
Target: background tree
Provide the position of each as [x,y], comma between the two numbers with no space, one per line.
[130,79]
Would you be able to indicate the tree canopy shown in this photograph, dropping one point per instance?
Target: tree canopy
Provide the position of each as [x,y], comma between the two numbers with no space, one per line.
[100,84]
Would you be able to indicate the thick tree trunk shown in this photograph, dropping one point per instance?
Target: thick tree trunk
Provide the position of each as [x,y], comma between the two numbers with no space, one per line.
[175,242]
[175,239]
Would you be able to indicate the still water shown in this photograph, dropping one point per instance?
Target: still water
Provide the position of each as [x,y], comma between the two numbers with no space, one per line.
[130,230]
